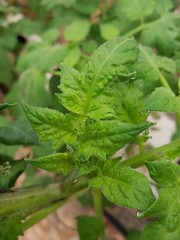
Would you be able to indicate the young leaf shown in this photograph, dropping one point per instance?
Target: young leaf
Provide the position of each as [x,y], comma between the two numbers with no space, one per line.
[89,228]
[89,93]
[51,125]
[162,100]
[106,137]
[166,208]
[124,186]
[60,162]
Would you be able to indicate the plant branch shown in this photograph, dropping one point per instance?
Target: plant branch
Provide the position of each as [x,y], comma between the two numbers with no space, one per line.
[171,150]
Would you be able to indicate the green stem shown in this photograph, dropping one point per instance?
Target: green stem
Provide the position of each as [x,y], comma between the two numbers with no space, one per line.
[162,79]
[38,216]
[171,150]
[141,27]
[140,144]
[97,200]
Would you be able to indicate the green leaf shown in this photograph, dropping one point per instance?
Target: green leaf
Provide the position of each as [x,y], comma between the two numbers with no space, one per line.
[6,105]
[163,6]
[10,228]
[165,210]
[71,31]
[124,186]
[89,228]
[41,56]
[60,162]
[72,57]
[9,171]
[51,125]
[130,104]
[51,35]
[149,67]
[134,234]
[89,93]
[55,3]
[137,10]
[165,173]
[162,100]
[18,133]
[5,68]
[162,34]
[86,7]
[109,30]
[31,86]
[104,138]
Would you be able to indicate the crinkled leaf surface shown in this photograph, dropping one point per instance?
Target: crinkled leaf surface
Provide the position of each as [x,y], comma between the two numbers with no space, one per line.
[59,162]
[89,93]
[51,125]
[106,137]
[124,186]
[162,100]
[166,209]
[93,128]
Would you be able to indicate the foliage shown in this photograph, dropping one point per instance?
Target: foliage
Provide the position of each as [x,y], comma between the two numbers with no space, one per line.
[87,98]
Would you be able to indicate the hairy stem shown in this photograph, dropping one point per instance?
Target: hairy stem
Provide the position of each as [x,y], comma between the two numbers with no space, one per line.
[38,216]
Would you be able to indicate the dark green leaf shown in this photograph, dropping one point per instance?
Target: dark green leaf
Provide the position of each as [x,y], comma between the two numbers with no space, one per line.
[18,133]
[89,228]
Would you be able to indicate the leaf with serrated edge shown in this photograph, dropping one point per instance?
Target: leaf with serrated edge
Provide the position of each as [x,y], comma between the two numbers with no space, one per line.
[60,162]
[106,137]
[124,186]
[166,208]
[51,125]
[89,93]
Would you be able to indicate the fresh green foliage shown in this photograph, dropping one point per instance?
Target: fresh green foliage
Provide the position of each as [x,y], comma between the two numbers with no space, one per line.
[166,208]
[60,162]
[86,100]
[123,186]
